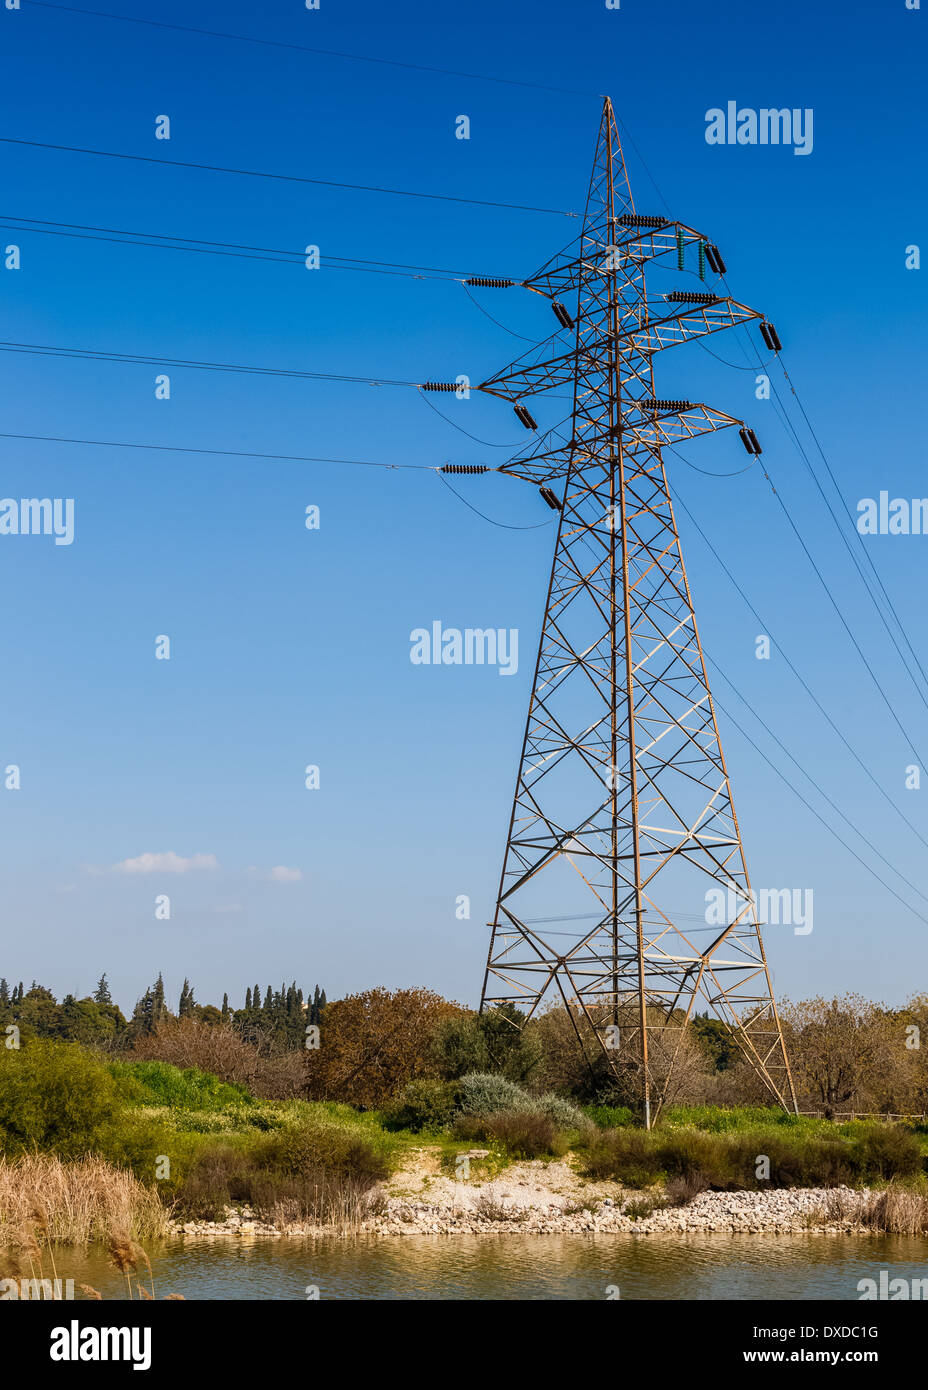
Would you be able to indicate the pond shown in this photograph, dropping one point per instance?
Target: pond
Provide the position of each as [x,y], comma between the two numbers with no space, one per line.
[511,1266]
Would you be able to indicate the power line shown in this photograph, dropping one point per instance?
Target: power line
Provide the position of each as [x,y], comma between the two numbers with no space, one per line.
[806,687]
[825,585]
[791,430]
[223,453]
[487,443]
[808,776]
[844,623]
[483,516]
[486,313]
[847,512]
[810,807]
[792,433]
[91,354]
[163,241]
[361,58]
[285,178]
[708,472]
[306,48]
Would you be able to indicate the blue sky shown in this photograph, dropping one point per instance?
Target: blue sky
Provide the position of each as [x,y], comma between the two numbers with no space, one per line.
[291,647]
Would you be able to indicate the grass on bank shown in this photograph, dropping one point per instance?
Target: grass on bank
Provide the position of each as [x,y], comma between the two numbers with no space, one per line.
[164,1138]
[756,1157]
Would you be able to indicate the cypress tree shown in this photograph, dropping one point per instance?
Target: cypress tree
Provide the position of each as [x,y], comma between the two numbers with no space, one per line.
[158,1006]
[187,1002]
[142,1013]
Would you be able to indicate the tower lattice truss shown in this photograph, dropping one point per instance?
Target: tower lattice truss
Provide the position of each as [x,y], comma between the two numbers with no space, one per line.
[623,817]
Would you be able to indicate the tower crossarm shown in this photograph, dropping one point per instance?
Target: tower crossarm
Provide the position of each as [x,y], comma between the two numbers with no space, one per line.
[633,243]
[643,423]
[678,321]
[686,320]
[522,378]
[675,427]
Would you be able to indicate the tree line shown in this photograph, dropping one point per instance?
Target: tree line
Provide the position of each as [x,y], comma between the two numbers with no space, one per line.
[277,1015]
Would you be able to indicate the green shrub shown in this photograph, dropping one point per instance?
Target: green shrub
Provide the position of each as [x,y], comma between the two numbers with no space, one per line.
[135,1141]
[522,1133]
[610,1116]
[326,1147]
[681,1191]
[54,1095]
[160,1083]
[486,1093]
[888,1151]
[682,1153]
[718,1120]
[626,1155]
[494,1041]
[563,1113]
[642,1208]
[423,1104]
[220,1177]
[310,1172]
[729,1159]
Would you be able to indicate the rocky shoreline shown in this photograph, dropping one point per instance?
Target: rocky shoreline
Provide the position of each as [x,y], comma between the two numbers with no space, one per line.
[519,1206]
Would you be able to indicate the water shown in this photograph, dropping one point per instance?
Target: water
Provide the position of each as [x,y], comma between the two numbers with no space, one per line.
[515,1267]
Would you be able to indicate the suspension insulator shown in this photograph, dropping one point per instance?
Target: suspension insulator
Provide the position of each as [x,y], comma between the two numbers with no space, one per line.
[702,260]
[714,257]
[550,498]
[749,440]
[525,417]
[563,315]
[465,468]
[439,386]
[681,246]
[770,336]
[691,297]
[488,284]
[638,219]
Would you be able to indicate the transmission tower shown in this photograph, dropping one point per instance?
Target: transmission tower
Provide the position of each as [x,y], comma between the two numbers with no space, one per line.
[622,817]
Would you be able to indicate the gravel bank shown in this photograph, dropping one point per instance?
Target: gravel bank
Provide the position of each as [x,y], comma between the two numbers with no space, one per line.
[541,1198]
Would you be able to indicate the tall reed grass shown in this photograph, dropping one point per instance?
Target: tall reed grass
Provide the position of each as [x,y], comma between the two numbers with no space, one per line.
[896,1211]
[76,1201]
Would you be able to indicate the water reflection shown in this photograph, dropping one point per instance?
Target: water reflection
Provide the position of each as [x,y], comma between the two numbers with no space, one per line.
[516,1267]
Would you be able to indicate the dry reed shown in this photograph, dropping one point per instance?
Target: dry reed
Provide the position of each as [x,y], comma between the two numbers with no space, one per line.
[896,1211]
[75,1202]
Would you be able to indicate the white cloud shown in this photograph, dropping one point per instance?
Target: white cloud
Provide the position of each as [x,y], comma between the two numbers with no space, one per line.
[165,863]
[281,874]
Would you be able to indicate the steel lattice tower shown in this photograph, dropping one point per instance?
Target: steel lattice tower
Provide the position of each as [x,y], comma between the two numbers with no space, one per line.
[623,815]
